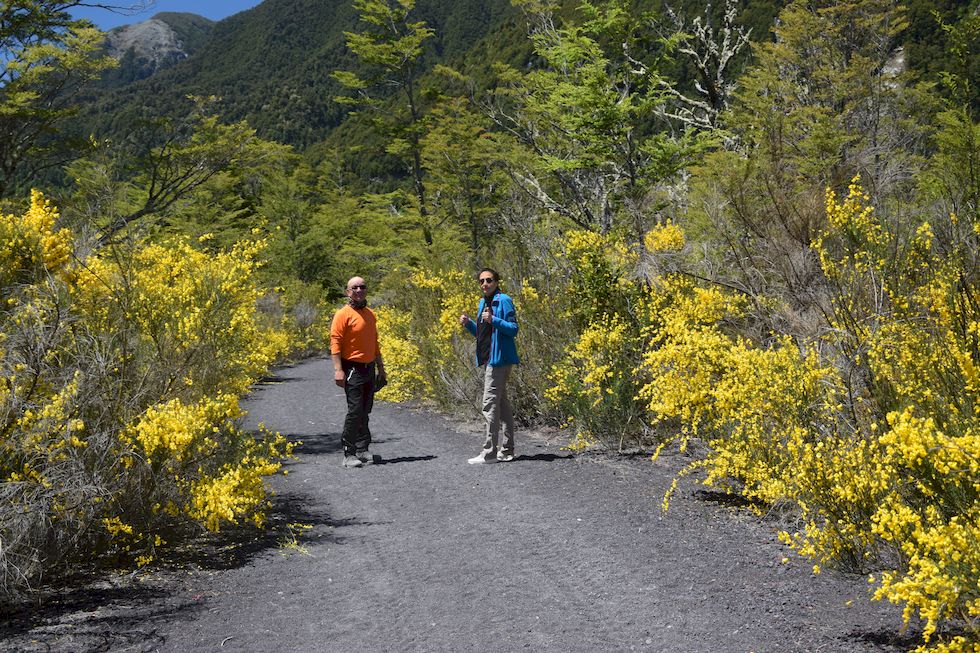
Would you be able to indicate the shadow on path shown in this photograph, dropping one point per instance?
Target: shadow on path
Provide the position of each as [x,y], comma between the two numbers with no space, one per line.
[275,378]
[238,547]
[404,459]
[90,601]
[887,640]
[88,611]
[722,498]
[316,444]
[542,457]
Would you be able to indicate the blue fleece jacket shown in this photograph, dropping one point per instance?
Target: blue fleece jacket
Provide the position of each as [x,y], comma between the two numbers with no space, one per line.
[503,351]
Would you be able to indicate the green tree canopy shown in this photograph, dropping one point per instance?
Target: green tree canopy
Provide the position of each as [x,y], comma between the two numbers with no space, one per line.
[46,58]
[390,48]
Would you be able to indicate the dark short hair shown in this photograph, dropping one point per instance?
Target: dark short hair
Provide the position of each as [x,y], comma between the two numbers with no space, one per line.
[496,277]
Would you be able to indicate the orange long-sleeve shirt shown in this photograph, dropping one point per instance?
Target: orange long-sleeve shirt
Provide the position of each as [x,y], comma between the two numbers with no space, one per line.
[354,334]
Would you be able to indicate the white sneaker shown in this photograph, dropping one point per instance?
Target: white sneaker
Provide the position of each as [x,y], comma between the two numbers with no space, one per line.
[366,457]
[505,457]
[481,460]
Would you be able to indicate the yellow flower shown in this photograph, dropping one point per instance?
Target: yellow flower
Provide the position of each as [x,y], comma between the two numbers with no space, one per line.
[664,237]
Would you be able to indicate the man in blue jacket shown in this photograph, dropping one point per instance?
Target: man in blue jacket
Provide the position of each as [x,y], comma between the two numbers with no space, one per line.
[494,329]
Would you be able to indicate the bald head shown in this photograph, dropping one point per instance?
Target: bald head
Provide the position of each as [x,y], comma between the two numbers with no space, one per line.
[357,290]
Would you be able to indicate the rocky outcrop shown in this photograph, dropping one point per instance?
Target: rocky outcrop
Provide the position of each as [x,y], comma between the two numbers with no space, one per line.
[155,44]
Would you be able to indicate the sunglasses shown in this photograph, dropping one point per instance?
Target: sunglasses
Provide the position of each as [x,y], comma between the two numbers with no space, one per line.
[359,287]
[487,280]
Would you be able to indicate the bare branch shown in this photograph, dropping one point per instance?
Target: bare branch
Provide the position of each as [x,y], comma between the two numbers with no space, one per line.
[710,51]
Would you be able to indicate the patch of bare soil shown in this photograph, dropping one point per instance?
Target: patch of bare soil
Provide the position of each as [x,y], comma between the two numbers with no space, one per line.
[423,552]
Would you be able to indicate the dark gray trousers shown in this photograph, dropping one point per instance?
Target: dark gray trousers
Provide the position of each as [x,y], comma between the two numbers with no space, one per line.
[359,387]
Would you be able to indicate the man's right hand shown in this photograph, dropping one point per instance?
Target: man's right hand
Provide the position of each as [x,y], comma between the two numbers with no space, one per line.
[464,319]
[338,378]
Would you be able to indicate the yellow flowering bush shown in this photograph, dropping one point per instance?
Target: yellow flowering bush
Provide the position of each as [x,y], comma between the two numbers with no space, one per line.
[870,432]
[753,405]
[909,325]
[600,273]
[686,350]
[426,351]
[931,513]
[174,433]
[594,386]
[402,358]
[452,290]
[237,488]
[30,244]
[301,315]
[118,399]
[666,237]
[194,305]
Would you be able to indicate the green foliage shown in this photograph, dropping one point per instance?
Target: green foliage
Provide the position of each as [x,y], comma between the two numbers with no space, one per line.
[272,65]
[460,156]
[46,60]
[942,41]
[819,104]
[962,74]
[391,48]
[952,178]
[369,235]
[391,44]
[166,163]
[583,116]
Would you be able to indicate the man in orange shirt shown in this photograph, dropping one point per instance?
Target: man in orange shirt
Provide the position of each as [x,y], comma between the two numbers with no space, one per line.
[358,369]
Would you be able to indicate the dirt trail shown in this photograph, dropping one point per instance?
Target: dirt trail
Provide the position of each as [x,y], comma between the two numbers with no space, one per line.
[551,552]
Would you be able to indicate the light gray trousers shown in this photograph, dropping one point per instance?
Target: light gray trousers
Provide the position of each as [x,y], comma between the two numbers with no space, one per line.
[496,410]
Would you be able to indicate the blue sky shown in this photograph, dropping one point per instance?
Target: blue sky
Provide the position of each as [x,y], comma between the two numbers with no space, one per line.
[213,9]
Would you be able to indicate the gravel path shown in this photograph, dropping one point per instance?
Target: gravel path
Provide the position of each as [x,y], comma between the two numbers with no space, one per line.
[551,552]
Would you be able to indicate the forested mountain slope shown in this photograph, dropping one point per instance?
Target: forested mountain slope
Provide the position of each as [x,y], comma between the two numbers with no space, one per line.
[272,64]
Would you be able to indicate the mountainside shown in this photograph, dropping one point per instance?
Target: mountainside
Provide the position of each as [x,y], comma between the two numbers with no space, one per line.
[153,45]
[271,65]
